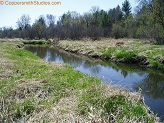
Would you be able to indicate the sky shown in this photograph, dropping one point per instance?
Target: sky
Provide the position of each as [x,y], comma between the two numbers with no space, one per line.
[9,14]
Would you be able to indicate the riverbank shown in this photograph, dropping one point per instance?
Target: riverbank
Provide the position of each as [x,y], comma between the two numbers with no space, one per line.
[32,90]
[128,51]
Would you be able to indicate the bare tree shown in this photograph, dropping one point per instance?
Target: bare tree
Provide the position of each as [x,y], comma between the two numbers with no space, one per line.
[23,24]
[39,27]
[50,21]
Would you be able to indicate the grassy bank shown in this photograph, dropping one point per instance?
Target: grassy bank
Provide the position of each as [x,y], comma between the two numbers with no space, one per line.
[120,50]
[32,90]
[37,42]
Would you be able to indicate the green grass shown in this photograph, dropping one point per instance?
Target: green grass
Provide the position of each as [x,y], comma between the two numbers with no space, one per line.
[108,53]
[116,103]
[24,109]
[35,87]
[126,55]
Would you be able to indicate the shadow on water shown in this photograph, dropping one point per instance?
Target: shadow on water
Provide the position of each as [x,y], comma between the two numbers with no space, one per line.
[131,77]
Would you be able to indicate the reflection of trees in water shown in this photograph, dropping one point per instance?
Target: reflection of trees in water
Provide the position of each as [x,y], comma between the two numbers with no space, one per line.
[94,68]
[131,73]
[76,61]
[124,73]
[140,74]
[38,50]
[114,68]
[44,52]
[152,85]
[54,54]
[67,58]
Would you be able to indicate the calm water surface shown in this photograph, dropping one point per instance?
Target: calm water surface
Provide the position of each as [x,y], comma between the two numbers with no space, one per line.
[131,77]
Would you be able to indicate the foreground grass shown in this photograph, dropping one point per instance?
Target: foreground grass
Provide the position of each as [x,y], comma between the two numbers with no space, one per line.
[32,90]
[120,50]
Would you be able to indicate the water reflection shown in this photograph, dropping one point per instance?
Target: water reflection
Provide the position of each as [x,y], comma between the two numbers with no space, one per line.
[129,76]
[153,85]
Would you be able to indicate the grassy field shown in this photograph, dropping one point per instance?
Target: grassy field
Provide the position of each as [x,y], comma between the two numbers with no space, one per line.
[120,50]
[32,90]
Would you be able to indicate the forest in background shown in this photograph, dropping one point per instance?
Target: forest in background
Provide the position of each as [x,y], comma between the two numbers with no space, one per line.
[147,22]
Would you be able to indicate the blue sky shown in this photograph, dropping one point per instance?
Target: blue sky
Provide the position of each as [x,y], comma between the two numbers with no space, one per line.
[10,14]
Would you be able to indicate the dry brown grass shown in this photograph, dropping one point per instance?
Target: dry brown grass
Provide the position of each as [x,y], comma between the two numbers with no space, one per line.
[94,45]
[6,66]
[11,40]
[63,111]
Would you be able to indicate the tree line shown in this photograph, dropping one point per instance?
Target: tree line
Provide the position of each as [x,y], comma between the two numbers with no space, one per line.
[147,22]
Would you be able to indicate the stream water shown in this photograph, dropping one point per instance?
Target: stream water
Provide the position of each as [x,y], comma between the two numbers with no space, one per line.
[131,77]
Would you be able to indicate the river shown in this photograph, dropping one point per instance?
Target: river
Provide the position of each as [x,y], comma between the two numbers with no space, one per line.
[131,77]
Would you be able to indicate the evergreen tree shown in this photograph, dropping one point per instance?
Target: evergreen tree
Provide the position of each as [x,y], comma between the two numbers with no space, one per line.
[126,8]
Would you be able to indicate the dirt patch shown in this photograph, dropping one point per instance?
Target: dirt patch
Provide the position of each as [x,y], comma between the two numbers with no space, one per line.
[119,43]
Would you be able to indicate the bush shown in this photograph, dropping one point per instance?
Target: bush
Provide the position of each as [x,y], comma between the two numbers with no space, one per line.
[118,31]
